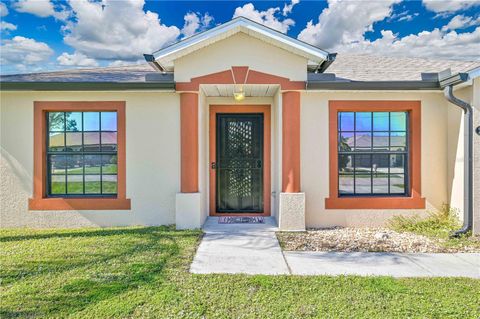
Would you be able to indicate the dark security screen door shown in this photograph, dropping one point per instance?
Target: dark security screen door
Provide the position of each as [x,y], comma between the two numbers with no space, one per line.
[239,186]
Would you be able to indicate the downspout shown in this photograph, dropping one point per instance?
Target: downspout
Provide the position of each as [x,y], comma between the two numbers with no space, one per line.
[468,160]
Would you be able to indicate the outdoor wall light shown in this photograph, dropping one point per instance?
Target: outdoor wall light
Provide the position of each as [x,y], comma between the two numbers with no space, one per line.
[239,95]
[477,130]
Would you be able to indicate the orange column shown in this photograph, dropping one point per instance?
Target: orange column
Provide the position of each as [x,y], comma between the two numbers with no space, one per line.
[291,142]
[189,142]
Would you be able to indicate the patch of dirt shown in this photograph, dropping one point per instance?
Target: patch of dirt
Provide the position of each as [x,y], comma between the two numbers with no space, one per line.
[367,240]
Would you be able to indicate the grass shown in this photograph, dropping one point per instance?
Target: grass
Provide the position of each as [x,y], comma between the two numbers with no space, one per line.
[438,225]
[90,187]
[143,273]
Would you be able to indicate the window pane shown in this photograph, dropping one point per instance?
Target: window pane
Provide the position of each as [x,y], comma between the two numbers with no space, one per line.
[380,121]
[109,121]
[380,163]
[397,184]
[345,142]
[91,142]
[75,164]
[363,121]
[345,120]
[397,164]
[92,164]
[398,141]
[380,141]
[56,121]
[109,164]
[57,184]
[56,142]
[363,141]
[398,121]
[74,142]
[109,141]
[57,164]
[74,184]
[363,174]
[92,184]
[91,121]
[345,171]
[74,121]
[109,184]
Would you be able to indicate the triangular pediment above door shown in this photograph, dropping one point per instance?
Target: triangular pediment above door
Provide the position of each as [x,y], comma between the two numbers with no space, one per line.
[239,42]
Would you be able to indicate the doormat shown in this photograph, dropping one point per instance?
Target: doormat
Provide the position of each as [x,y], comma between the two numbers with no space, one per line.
[240,220]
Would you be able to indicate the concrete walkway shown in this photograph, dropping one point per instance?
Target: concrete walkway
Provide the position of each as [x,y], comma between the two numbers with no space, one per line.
[254,249]
[239,248]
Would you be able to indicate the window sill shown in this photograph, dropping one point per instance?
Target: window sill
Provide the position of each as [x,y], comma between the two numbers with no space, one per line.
[79,204]
[375,203]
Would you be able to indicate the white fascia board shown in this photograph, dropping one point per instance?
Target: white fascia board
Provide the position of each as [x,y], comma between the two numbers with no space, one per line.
[474,73]
[173,51]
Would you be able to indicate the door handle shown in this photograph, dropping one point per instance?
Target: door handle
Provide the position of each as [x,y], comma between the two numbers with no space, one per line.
[213,165]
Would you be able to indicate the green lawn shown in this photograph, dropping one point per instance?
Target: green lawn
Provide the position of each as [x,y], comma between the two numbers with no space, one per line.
[143,272]
[90,187]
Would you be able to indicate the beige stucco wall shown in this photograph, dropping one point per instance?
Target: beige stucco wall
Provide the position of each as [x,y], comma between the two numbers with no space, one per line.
[152,156]
[241,50]
[315,157]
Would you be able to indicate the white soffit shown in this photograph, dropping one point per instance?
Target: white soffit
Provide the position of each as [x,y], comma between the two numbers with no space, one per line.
[167,55]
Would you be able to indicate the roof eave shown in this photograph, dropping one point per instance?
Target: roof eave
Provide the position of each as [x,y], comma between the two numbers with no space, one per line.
[85,86]
[373,85]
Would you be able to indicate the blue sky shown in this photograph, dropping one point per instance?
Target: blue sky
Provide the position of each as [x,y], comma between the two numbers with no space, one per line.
[44,35]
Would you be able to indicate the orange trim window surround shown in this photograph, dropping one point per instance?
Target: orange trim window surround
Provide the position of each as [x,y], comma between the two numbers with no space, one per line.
[40,200]
[414,199]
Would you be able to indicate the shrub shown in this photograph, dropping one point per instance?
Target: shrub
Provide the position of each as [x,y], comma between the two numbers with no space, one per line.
[439,223]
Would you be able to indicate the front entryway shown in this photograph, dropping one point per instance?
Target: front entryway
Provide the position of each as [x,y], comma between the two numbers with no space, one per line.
[240,160]
[239,166]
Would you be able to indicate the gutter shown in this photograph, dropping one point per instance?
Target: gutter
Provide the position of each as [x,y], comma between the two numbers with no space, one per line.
[153,63]
[325,64]
[85,86]
[373,85]
[468,154]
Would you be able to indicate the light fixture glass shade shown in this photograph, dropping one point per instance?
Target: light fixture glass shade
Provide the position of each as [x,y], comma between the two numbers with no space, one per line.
[239,96]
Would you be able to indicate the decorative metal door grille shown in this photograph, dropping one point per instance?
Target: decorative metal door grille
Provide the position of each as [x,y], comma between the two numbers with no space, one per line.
[239,163]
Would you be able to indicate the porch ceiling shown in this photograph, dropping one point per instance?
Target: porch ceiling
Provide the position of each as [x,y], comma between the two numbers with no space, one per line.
[251,90]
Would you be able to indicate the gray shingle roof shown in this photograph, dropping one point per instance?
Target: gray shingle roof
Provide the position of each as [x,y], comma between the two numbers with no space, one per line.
[357,67]
[131,73]
[367,67]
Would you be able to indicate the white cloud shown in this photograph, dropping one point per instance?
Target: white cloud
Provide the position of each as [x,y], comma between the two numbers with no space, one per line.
[3,10]
[75,59]
[345,22]
[5,26]
[24,51]
[460,22]
[267,17]
[120,31]
[449,6]
[426,44]
[195,23]
[41,8]
[118,63]
[287,9]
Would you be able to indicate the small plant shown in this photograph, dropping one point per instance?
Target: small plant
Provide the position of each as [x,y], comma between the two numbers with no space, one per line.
[440,223]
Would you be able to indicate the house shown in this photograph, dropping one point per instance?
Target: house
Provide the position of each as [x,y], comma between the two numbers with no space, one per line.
[241,120]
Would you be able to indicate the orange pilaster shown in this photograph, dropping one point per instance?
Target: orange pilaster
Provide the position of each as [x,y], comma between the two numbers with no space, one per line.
[189,142]
[291,142]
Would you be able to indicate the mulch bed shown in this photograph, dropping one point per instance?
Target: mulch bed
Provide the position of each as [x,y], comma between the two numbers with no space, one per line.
[368,240]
